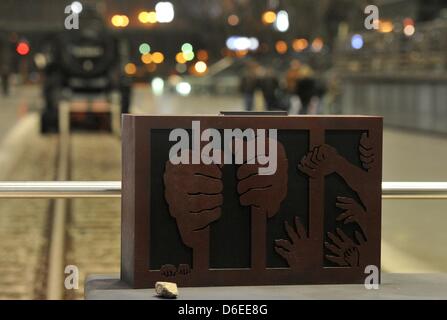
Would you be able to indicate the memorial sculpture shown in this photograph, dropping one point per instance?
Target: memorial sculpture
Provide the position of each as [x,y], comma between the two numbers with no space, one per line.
[313,217]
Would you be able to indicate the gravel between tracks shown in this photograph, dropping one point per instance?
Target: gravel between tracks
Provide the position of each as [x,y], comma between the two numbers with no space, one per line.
[93,225]
[24,226]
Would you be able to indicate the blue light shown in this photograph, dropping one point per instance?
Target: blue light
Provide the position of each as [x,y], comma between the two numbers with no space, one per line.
[357,41]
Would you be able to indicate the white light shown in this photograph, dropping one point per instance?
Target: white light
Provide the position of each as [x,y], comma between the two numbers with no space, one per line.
[76,7]
[237,43]
[40,60]
[158,86]
[282,21]
[409,30]
[183,88]
[254,44]
[357,41]
[164,12]
[230,43]
[242,43]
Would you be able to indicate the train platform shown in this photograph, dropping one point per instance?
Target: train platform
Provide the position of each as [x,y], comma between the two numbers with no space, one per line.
[393,286]
[412,229]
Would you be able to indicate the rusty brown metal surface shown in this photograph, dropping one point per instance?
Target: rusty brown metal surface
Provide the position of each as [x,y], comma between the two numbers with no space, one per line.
[316,220]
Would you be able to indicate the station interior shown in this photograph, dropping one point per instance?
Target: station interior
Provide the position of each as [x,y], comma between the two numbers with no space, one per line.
[204,57]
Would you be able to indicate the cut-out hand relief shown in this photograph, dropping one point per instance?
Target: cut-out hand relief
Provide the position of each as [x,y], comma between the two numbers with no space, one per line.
[194,195]
[321,161]
[263,192]
[344,251]
[299,250]
[354,212]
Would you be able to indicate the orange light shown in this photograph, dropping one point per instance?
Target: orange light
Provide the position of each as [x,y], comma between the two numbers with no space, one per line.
[281,47]
[202,55]
[116,20]
[146,58]
[120,21]
[180,58]
[269,17]
[22,48]
[317,45]
[385,26]
[300,44]
[143,16]
[158,57]
[125,21]
[241,53]
[233,20]
[152,17]
[130,69]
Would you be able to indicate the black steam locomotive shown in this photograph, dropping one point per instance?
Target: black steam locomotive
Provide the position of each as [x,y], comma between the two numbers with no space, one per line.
[84,62]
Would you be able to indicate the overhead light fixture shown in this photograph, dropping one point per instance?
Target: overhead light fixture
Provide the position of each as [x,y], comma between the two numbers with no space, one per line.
[164,12]
[282,21]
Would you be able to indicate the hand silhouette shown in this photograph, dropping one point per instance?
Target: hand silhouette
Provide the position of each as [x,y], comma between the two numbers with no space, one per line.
[184,269]
[321,161]
[299,249]
[263,192]
[344,251]
[194,196]
[168,270]
[354,212]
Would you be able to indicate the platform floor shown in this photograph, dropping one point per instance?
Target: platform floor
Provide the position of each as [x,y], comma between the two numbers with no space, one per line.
[393,286]
[414,236]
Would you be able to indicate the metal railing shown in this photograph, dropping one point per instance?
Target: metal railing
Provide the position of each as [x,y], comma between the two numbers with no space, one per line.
[112,189]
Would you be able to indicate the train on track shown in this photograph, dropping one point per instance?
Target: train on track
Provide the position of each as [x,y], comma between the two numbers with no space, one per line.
[85,65]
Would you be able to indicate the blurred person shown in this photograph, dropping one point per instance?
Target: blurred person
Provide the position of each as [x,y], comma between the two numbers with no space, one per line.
[292,76]
[5,64]
[306,90]
[5,80]
[249,84]
[270,86]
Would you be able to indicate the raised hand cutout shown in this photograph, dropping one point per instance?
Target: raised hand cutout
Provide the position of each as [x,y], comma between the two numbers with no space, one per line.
[354,212]
[344,251]
[299,250]
[321,161]
[263,192]
[194,195]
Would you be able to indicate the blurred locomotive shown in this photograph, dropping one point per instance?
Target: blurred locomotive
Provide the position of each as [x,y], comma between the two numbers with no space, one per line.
[85,63]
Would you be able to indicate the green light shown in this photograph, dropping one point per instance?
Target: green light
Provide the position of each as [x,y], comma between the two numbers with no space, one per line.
[187,47]
[145,48]
[189,56]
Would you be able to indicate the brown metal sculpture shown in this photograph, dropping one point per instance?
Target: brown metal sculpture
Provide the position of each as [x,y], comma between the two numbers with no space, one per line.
[173,213]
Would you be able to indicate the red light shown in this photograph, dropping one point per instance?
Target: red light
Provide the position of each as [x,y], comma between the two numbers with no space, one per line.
[408,22]
[22,48]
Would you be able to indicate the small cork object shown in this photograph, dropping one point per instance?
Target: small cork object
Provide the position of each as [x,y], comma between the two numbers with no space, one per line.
[166,290]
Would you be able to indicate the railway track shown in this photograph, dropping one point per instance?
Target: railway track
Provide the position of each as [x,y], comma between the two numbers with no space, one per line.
[92,227]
